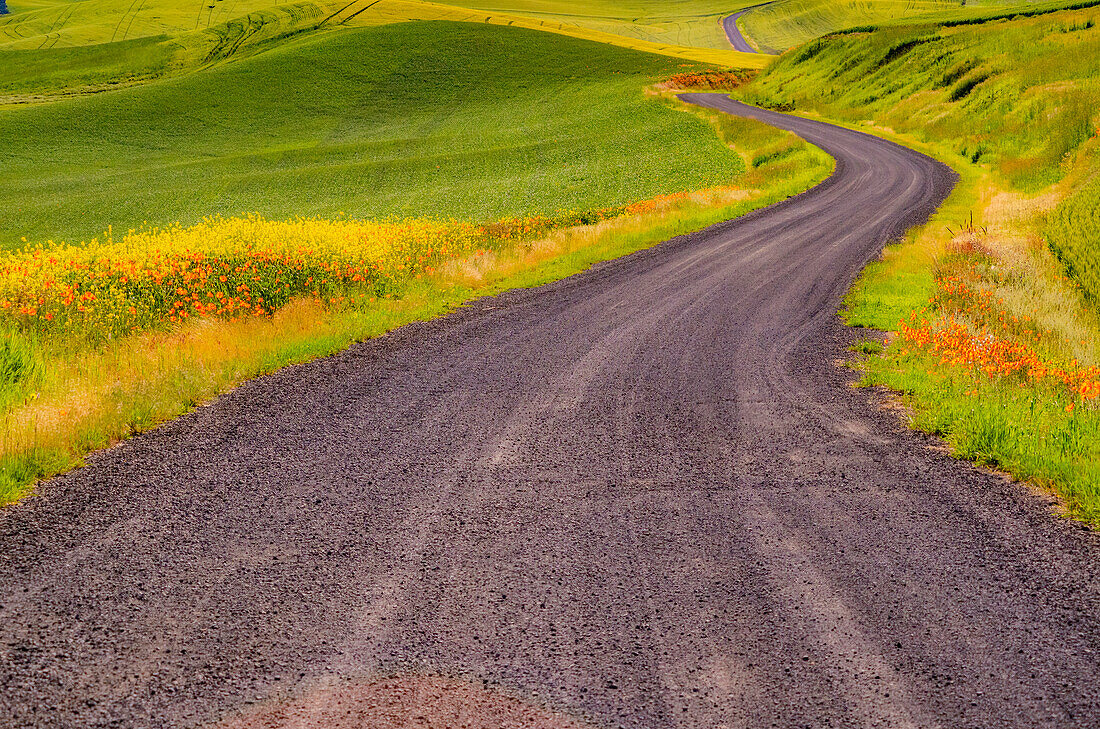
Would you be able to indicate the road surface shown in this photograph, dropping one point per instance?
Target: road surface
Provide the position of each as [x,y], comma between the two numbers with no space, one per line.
[644,496]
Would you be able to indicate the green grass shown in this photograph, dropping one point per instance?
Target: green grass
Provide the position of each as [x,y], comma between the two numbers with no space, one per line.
[91,45]
[45,71]
[977,13]
[1073,232]
[998,425]
[438,119]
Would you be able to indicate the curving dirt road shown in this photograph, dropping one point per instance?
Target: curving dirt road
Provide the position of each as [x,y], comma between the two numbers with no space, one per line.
[733,32]
[644,496]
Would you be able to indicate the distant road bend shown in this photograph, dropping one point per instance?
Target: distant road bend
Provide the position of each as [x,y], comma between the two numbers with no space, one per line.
[733,32]
[644,496]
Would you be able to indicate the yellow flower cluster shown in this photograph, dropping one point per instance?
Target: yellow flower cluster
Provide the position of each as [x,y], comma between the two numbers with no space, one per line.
[240,267]
[230,268]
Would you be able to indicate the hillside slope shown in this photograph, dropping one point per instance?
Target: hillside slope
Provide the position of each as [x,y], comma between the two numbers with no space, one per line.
[441,119]
[89,45]
[1020,95]
[779,25]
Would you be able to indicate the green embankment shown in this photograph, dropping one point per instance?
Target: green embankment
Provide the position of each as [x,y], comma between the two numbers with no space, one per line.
[1020,96]
[787,23]
[439,119]
[784,24]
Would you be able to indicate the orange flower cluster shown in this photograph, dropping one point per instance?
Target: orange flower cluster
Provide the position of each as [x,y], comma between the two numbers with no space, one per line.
[990,343]
[994,357]
[964,294]
[711,79]
[240,267]
[228,268]
[245,267]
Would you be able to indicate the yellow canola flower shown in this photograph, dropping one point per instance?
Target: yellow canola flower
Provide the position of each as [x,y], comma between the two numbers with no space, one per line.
[246,266]
[227,267]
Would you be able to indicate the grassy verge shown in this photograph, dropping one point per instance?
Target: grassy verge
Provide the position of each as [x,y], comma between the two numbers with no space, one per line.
[993,330]
[70,392]
[989,345]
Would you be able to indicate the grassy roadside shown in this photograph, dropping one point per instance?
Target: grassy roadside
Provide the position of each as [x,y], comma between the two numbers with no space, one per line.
[987,342]
[77,397]
[994,335]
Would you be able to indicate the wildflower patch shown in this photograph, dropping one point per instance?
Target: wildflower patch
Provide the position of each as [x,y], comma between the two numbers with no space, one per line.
[973,331]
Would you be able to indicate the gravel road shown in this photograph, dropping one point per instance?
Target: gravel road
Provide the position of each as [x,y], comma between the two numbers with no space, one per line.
[644,496]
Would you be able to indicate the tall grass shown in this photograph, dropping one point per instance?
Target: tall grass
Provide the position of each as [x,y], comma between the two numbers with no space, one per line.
[1073,232]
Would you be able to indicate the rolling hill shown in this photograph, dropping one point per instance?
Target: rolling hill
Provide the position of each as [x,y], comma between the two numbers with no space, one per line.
[429,118]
